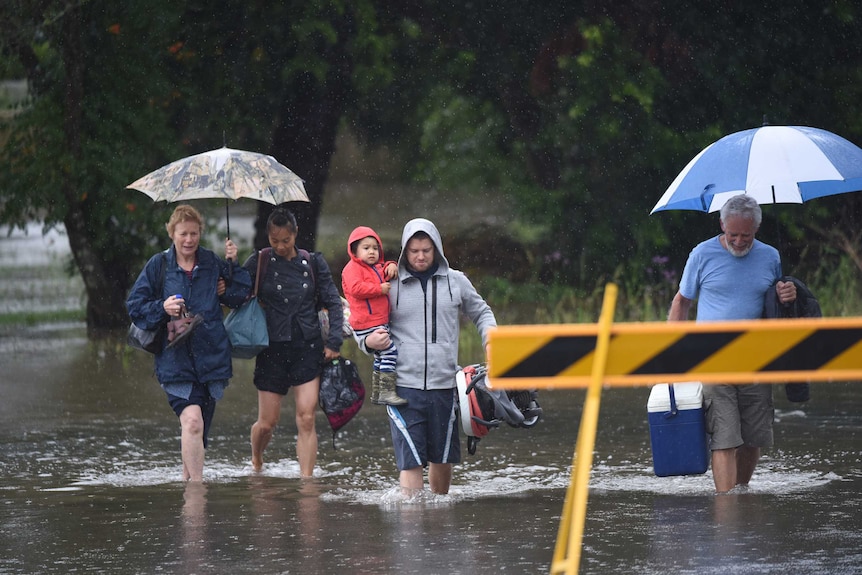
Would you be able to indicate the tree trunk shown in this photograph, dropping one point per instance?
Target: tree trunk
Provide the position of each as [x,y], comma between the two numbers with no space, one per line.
[308,152]
[304,139]
[104,281]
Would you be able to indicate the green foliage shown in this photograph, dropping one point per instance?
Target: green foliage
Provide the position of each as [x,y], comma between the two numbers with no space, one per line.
[619,100]
[599,122]
[66,155]
[262,59]
[458,131]
[30,318]
[581,112]
[647,296]
[598,147]
[837,288]
[119,89]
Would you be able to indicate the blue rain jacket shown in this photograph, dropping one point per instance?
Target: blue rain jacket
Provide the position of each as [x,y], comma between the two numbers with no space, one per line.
[205,356]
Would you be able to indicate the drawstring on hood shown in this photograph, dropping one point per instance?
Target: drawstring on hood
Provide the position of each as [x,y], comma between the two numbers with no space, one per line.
[425,323]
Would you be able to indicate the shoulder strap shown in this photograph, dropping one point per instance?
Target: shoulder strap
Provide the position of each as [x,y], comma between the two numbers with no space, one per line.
[262,263]
[260,258]
[162,275]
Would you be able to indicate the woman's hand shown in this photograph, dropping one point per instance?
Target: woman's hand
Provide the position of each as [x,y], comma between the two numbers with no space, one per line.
[330,354]
[230,250]
[221,287]
[173,305]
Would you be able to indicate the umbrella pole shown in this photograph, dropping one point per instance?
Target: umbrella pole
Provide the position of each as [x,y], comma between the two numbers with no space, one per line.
[227,216]
[777,220]
[227,220]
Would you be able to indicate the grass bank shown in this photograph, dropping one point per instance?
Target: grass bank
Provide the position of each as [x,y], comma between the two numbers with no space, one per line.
[837,289]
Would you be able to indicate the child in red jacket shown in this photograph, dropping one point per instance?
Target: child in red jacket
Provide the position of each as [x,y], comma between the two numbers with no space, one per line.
[365,281]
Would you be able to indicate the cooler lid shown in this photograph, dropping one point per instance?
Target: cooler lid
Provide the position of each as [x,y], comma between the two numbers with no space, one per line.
[689,395]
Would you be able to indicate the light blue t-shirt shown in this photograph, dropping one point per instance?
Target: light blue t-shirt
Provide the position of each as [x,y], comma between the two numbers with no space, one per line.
[727,287]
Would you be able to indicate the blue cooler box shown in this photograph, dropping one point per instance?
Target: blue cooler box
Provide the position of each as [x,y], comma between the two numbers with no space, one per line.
[677,429]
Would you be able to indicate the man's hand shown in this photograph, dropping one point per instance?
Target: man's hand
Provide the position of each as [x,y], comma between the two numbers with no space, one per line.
[391,271]
[378,339]
[786,291]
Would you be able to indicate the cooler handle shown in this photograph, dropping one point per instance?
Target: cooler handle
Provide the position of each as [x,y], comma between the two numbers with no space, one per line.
[673,410]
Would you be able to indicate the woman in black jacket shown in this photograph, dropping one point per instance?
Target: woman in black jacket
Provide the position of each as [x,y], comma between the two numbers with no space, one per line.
[293,286]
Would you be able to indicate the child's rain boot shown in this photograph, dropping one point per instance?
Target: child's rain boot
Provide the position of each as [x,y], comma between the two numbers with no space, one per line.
[375,387]
[387,395]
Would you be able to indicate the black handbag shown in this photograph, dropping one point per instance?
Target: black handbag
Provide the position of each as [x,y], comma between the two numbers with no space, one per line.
[149,340]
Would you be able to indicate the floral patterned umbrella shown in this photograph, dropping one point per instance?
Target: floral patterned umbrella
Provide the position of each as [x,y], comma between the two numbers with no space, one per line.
[223,173]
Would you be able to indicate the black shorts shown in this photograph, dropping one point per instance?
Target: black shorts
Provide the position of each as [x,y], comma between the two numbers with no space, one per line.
[285,364]
[201,397]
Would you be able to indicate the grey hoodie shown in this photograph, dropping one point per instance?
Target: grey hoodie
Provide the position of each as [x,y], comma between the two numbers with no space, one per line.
[425,324]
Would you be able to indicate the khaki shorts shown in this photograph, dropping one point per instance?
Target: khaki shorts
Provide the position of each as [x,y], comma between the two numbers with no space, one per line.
[739,415]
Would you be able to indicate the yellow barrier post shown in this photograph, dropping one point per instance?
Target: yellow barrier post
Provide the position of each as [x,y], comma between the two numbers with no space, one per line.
[567,553]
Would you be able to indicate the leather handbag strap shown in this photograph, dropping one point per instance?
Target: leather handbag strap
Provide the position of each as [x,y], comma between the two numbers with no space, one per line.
[257,274]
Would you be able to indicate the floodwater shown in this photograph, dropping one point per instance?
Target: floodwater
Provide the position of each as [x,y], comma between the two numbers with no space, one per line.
[90,469]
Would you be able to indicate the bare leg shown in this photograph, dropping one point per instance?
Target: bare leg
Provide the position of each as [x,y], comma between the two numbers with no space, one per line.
[440,477]
[746,461]
[724,469]
[268,412]
[192,443]
[411,480]
[306,396]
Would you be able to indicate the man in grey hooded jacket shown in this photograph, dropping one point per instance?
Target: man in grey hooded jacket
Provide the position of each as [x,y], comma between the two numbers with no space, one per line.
[424,322]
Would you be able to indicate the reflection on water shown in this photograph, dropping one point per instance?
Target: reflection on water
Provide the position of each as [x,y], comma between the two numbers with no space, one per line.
[195,523]
[89,481]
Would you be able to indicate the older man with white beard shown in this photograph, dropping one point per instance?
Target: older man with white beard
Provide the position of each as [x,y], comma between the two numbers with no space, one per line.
[729,275]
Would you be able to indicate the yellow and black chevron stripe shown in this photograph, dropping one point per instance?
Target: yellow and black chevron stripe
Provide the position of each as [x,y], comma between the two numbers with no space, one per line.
[562,355]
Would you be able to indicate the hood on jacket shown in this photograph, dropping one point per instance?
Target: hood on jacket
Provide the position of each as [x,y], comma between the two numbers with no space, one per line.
[427,226]
[364,232]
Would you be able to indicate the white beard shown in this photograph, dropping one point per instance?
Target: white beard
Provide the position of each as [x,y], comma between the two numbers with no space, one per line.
[739,253]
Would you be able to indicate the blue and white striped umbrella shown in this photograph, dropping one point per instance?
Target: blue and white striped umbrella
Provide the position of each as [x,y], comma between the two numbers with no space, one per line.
[774,164]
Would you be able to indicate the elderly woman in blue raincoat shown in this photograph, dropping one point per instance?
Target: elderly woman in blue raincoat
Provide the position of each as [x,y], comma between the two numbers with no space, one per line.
[195,372]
